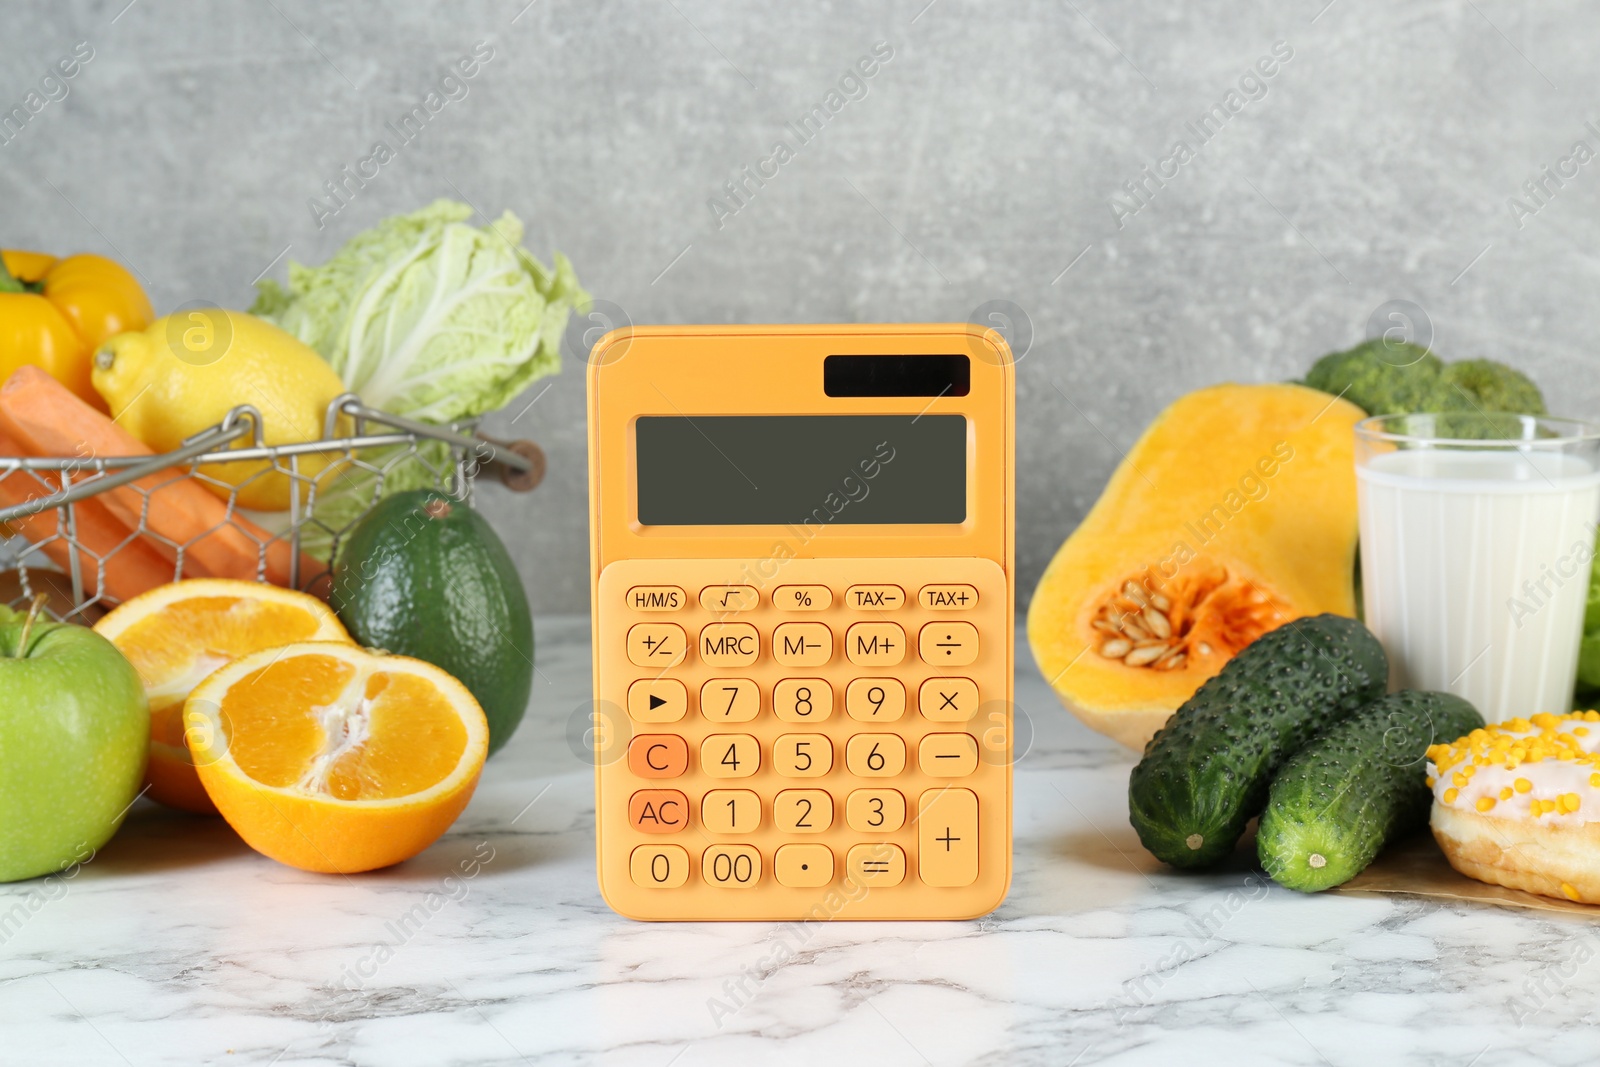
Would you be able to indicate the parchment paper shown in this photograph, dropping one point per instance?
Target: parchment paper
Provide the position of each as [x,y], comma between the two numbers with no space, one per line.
[1417,867]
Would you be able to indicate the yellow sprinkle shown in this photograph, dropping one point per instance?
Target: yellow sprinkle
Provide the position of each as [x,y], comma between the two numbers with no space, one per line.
[1485,803]
[1591,716]
[1429,780]
[1458,779]
[1571,893]
[1523,785]
[1505,794]
[1547,806]
[1594,780]
[1450,796]
[1570,802]
[1580,731]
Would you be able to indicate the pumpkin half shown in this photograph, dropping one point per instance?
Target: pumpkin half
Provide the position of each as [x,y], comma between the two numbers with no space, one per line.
[1234,513]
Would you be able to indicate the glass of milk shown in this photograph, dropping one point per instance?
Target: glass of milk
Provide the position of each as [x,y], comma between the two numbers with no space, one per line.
[1477,532]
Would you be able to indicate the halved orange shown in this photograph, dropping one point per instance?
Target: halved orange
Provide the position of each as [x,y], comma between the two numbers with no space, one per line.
[177,634]
[328,757]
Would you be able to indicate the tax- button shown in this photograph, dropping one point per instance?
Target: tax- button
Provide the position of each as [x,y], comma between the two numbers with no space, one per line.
[876,865]
[948,699]
[948,597]
[657,700]
[952,644]
[656,644]
[874,597]
[947,837]
[659,866]
[875,644]
[658,811]
[948,755]
[655,598]
[658,755]
[729,644]
[721,598]
[802,644]
[803,866]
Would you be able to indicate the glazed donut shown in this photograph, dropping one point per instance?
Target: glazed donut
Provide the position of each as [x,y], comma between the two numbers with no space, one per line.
[1517,804]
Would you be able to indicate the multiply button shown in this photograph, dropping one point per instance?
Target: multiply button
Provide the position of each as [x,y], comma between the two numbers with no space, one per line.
[729,644]
[803,866]
[656,644]
[802,644]
[952,644]
[948,755]
[659,866]
[729,598]
[658,811]
[875,597]
[657,700]
[948,699]
[658,755]
[875,644]
[947,837]
[948,597]
[876,865]
[655,598]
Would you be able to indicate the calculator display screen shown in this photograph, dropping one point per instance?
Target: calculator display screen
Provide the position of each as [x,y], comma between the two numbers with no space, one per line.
[757,470]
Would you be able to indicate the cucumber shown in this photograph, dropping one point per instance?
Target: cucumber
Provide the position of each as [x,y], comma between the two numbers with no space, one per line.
[1355,787]
[1205,773]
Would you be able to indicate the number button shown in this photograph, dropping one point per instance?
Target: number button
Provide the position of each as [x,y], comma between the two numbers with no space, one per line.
[802,644]
[731,866]
[659,866]
[730,700]
[875,811]
[875,755]
[952,644]
[803,755]
[657,700]
[656,644]
[729,598]
[874,597]
[802,700]
[658,755]
[947,837]
[729,644]
[730,756]
[803,811]
[876,865]
[948,597]
[730,811]
[655,598]
[875,699]
[803,866]
[802,597]
[875,644]
[948,755]
[948,699]
[658,811]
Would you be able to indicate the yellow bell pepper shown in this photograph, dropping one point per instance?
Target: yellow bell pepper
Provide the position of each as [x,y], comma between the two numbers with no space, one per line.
[54,313]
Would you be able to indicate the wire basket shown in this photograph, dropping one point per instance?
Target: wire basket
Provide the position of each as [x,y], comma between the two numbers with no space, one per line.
[89,531]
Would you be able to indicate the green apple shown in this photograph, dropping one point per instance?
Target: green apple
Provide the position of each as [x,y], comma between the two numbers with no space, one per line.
[74,732]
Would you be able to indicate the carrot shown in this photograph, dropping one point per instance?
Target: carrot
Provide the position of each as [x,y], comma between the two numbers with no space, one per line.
[129,569]
[50,421]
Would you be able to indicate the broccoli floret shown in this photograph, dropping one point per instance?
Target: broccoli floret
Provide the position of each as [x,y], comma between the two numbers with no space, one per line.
[1486,385]
[1380,377]
[1395,377]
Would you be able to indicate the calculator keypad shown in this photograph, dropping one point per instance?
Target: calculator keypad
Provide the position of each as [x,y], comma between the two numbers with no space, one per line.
[839,736]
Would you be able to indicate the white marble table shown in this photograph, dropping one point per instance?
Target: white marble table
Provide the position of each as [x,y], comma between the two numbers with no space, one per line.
[178,945]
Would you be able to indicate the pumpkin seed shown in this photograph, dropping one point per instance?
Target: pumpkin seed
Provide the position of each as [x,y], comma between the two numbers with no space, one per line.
[1170,663]
[1159,602]
[1156,622]
[1116,648]
[1143,655]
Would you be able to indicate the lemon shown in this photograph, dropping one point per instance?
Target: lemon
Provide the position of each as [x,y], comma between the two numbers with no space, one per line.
[184,372]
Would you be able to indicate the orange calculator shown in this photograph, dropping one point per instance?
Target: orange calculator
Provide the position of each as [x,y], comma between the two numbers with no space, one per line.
[802,566]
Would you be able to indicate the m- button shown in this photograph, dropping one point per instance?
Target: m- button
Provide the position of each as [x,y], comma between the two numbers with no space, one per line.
[656,644]
[802,644]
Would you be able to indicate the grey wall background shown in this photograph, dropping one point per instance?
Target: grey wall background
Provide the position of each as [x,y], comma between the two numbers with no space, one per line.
[1377,164]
